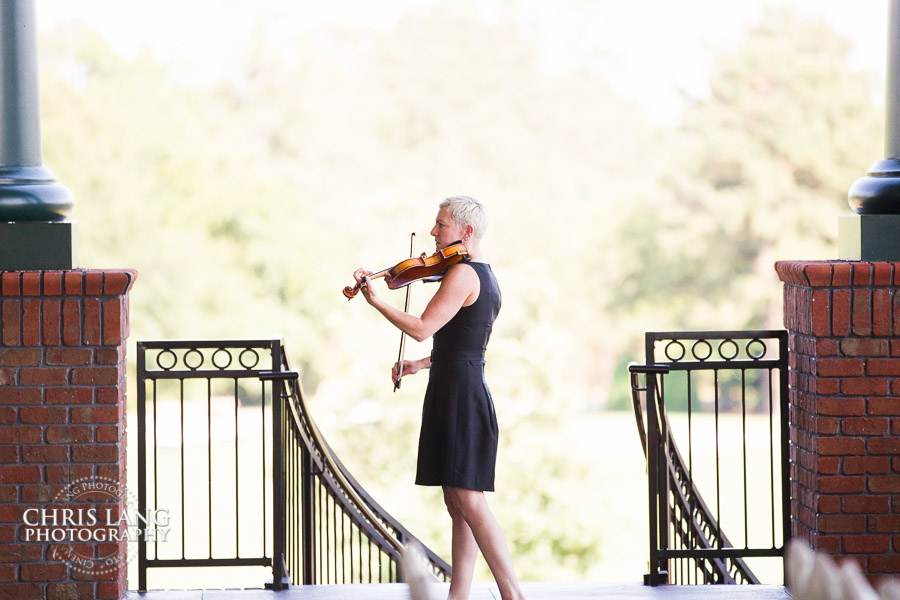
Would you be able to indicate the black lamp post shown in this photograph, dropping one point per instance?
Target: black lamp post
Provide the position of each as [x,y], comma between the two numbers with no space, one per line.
[873,234]
[34,233]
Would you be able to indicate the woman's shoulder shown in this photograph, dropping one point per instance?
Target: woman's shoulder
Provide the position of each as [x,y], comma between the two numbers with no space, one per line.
[464,274]
[463,269]
[474,264]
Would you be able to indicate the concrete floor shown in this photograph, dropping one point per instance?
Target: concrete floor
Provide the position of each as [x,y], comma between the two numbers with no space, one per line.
[534,591]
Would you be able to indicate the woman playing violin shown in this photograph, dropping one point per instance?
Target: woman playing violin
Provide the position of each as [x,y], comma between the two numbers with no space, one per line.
[458,439]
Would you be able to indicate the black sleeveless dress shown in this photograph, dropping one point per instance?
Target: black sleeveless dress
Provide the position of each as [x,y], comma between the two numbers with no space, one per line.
[458,439]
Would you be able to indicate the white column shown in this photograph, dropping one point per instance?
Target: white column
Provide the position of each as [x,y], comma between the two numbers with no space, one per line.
[20,103]
[892,108]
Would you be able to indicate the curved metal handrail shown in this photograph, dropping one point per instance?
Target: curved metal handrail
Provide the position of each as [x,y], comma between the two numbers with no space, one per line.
[439,566]
[703,525]
[387,533]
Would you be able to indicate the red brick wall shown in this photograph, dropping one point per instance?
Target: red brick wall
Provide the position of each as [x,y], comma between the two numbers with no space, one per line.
[62,422]
[844,324]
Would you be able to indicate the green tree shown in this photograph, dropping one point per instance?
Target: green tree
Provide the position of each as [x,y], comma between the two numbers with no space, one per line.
[757,172]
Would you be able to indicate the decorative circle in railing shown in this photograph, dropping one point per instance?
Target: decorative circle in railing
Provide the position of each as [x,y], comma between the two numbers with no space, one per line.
[729,355]
[678,345]
[226,361]
[167,354]
[190,361]
[758,354]
[254,356]
[700,344]
[725,349]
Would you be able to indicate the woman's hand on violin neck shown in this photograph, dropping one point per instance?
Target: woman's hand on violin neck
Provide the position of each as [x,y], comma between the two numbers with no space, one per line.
[368,292]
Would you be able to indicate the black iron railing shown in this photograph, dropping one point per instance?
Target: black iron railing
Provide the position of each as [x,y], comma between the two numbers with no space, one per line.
[334,531]
[713,374]
[228,450]
[202,446]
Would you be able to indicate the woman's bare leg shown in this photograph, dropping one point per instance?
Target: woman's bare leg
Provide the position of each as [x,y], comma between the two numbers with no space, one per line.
[464,553]
[486,531]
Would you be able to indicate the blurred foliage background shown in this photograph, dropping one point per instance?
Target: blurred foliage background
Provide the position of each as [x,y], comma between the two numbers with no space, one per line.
[246,199]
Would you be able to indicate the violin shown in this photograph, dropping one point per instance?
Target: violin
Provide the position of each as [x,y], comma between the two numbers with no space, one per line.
[419,268]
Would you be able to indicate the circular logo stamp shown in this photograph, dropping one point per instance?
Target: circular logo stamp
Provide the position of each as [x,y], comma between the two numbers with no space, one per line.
[87,525]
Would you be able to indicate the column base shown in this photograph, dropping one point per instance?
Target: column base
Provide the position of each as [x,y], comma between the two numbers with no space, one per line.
[39,246]
[874,238]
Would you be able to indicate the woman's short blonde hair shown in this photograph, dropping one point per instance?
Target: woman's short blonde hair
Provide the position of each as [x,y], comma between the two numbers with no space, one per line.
[465,210]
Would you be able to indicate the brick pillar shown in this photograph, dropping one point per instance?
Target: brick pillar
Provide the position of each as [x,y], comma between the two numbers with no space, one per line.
[62,433]
[844,323]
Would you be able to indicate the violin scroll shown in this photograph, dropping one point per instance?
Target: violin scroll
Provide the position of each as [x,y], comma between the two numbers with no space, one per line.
[351,291]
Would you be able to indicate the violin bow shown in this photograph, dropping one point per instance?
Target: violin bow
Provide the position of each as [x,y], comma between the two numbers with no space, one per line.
[412,251]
